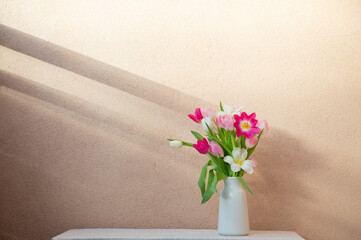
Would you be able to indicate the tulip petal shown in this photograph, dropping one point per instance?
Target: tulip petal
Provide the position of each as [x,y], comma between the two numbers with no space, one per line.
[205,122]
[238,109]
[251,142]
[221,113]
[253,122]
[244,116]
[227,109]
[208,112]
[248,169]
[228,159]
[235,167]
[263,125]
[252,116]
[215,149]
[198,113]
[244,154]
[191,116]
[249,163]
[255,162]
[236,153]
[237,118]
[202,146]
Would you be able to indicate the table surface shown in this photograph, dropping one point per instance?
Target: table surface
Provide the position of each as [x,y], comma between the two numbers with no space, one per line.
[169,234]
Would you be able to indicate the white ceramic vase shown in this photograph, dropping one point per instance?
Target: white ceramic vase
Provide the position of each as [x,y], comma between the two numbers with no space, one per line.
[233,211]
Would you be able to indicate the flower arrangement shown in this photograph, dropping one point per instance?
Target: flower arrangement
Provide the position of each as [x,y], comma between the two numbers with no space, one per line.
[231,137]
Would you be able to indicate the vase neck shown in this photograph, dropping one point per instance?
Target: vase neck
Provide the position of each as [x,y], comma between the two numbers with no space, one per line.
[232,182]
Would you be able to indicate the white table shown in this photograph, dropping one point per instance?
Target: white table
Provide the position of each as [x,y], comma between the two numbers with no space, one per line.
[169,234]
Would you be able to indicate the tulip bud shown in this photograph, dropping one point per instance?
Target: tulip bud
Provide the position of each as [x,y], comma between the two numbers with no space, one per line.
[215,149]
[263,125]
[176,144]
[251,142]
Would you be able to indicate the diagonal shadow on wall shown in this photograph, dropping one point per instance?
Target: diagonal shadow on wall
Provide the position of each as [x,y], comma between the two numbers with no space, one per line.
[96,70]
[115,124]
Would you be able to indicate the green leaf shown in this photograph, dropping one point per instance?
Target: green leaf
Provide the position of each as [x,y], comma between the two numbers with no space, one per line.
[238,143]
[214,176]
[212,180]
[220,176]
[210,132]
[226,138]
[219,163]
[241,180]
[213,188]
[197,135]
[202,177]
[229,140]
[221,106]
[224,166]
[243,139]
[220,132]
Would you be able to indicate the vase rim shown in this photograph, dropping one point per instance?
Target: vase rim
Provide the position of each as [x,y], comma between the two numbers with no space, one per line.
[231,179]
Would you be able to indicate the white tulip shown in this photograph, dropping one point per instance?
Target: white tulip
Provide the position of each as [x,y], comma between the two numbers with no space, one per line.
[221,113]
[228,110]
[176,144]
[238,161]
[207,121]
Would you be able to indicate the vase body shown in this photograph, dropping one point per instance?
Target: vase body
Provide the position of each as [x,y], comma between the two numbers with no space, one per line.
[233,210]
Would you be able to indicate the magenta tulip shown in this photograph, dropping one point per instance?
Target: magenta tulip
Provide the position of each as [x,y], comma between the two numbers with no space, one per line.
[202,146]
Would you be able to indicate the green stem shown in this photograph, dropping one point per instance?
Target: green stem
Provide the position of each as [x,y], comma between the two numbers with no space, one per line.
[233,141]
[187,144]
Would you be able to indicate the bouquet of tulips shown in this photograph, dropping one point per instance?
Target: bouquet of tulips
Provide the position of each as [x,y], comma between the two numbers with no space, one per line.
[231,137]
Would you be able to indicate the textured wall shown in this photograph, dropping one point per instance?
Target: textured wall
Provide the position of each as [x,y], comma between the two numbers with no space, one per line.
[90,90]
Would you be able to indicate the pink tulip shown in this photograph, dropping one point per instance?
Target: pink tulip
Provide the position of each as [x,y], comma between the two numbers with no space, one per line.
[197,116]
[202,146]
[263,125]
[215,149]
[246,125]
[225,122]
[251,142]
[202,113]
[208,112]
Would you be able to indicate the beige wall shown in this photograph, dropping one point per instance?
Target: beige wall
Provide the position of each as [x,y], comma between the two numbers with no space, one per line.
[90,90]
